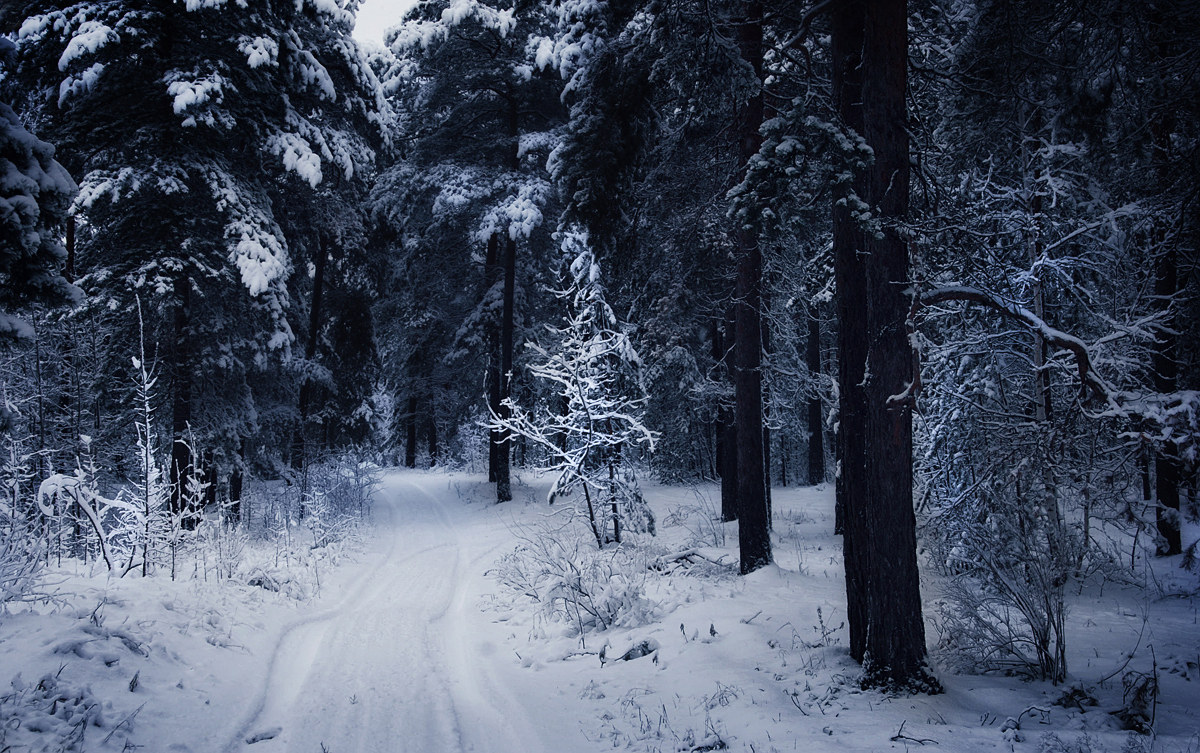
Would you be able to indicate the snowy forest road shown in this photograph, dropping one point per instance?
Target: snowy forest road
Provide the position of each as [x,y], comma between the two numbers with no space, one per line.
[399,664]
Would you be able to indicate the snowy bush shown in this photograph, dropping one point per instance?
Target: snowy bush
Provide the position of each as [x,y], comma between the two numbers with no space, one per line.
[338,496]
[1004,608]
[702,520]
[571,582]
[222,546]
[22,552]
[55,714]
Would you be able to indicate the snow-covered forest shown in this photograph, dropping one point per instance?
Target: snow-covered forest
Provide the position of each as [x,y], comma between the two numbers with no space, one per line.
[584,374]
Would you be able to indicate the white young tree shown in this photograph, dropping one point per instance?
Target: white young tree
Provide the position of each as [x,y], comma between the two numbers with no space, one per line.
[595,372]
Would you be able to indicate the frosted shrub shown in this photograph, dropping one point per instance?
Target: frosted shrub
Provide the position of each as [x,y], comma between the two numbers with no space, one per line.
[20,561]
[104,527]
[574,583]
[55,714]
[339,494]
[223,545]
[21,548]
[1005,607]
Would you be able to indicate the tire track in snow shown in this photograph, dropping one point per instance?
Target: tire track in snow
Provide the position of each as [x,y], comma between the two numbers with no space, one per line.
[396,666]
[284,672]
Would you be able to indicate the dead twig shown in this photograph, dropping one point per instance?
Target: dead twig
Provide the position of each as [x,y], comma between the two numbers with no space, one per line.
[900,736]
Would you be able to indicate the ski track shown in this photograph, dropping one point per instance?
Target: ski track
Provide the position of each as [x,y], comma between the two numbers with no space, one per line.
[398,665]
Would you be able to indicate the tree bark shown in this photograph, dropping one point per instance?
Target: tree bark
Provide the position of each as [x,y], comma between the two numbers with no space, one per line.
[816,425]
[1168,470]
[754,539]
[895,641]
[410,433]
[236,480]
[765,400]
[431,426]
[307,387]
[727,439]
[491,275]
[883,585]
[850,278]
[504,447]
[182,464]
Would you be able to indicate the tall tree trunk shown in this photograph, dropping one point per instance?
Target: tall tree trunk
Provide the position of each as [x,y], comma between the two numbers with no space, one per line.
[431,428]
[882,583]
[41,397]
[72,366]
[1032,126]
[754,538]
[307,387]
[816,426]
[1168,470]
[847,40]
[504,447]
[727,439]
[765,321]
[492,273]
[410,432]
[236,480]
[182,463]
[895,640]
[507,329]
[211,478]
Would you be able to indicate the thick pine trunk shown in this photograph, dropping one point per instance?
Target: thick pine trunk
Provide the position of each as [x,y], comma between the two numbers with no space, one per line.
[410,433]
[1168,470]
[727,438]
[883,585]
[507,329]
[491,275]
[754,539]
[765,321]
[182,462]
[816,426]
[300,447]
[236,480]
[504,447]
[895,641]
[431,427]
[850,277]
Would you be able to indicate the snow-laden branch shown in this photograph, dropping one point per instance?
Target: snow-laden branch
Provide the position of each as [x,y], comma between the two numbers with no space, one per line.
[1165,417]
[1056,337]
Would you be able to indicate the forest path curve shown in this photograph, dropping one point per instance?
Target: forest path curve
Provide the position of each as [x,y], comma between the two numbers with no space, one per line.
[402,662]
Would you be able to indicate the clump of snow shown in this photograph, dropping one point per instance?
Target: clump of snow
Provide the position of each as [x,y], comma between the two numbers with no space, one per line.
[195,5]
[502,21]
[519,213]
[79,83]
[259,51]
[87,40]
[298,156]
[191,94]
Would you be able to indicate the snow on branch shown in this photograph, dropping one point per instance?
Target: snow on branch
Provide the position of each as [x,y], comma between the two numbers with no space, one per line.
[1078,348]
[1167,417]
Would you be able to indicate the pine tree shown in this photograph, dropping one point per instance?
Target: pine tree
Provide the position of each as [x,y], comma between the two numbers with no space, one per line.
[485,117]
[177,205]
[596,373]
[35,191]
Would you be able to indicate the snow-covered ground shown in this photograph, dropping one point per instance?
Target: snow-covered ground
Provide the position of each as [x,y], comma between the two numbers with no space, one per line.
[412,643]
